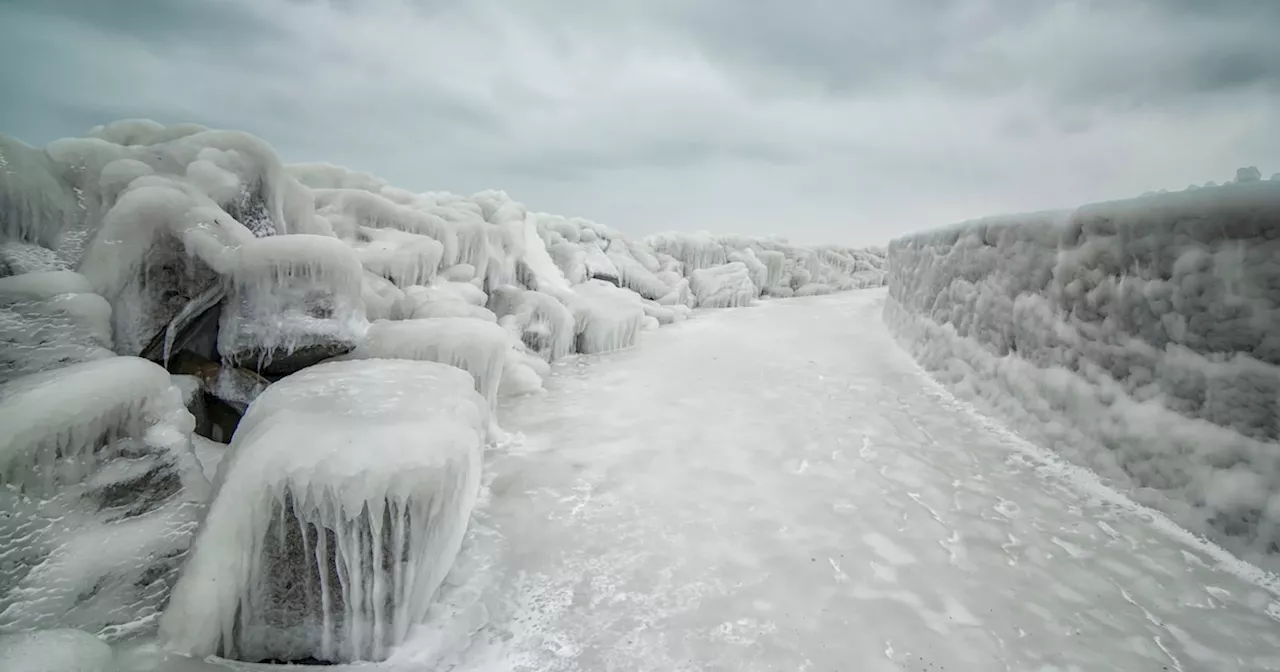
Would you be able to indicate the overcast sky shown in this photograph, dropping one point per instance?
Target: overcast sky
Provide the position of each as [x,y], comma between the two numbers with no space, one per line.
[822,120]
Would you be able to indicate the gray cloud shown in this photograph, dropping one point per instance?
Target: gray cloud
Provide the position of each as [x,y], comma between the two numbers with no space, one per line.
[846,120]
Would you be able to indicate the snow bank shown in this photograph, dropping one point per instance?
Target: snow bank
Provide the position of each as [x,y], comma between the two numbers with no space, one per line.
[1136,337]
[341,506]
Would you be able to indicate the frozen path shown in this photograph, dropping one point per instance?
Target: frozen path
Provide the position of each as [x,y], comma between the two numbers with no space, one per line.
[780,488]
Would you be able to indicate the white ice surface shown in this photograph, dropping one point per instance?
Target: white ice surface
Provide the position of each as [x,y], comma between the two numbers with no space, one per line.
[710,501]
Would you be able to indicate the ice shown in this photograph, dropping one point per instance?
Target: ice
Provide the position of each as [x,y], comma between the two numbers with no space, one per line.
[49,320]
[476,346]
[633,275]
[813,289]
[541,322]
[297,296]
[607,318]
[102,494]
[444,300]
[41,286]
[341,506]
[55,651]
[351,209]
[696,251]
[403,258]
[724,286]
[1133,337]
[545,273]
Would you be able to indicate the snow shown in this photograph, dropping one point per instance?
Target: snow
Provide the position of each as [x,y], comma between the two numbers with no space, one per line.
[383,457]
[1134,337]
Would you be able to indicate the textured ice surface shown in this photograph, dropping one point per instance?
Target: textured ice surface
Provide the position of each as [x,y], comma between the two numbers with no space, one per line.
[724,286]
[475,346]
[340,508]
[55,651]
[842,512]
[608,318]
[1136,337]
[101,494]
[50,320]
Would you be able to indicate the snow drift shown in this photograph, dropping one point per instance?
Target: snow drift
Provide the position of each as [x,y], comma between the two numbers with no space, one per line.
[1137,337]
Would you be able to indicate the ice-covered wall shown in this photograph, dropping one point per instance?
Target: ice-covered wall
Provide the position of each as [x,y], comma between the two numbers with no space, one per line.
[1139,337]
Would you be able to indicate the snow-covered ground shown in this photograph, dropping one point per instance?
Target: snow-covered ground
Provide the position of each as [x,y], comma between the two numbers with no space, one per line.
[781,488]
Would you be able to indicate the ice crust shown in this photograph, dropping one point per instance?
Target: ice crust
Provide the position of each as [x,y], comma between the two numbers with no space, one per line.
[1135,337]
[101,494]
[475,346]
[340,508]
[201,249]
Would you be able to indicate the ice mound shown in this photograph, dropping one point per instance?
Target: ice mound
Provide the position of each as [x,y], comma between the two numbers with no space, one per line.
[49,320]
[538,320]
[101,493]
[607,318]
[296,300]
[340,509]
[1135,337]
[403,258]
[724,286]
[55,651]
[476,346]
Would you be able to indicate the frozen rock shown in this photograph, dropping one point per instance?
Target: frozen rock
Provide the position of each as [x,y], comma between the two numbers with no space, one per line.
[724,286]
[55,651]
[102,494]
[341,506]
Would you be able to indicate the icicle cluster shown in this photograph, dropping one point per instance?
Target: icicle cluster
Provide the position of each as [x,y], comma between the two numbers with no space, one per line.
[342,504]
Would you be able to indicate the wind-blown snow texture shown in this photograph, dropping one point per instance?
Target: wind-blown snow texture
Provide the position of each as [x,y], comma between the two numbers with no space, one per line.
[1140,338]
[183,243]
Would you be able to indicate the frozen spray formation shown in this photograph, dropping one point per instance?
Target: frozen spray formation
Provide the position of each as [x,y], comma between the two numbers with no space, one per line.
[390,322]
[1137,337]
[341,505]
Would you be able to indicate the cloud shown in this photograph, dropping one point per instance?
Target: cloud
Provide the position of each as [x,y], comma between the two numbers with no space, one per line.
[841,120]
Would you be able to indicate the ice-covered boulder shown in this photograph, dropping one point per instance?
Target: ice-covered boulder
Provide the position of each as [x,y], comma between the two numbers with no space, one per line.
[723,286]
[340,509]
[540,321]
[101,494]
[55,651]
[296,300]
[49,320]
[478,347]
[607,317]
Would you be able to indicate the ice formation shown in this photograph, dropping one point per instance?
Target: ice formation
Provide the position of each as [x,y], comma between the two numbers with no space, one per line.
[55,651]
[1135,337]
[723,286]
[201,251]
[101,494]
[340,508]
[475,346]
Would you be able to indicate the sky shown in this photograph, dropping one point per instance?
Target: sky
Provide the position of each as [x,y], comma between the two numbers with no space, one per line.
[848,121]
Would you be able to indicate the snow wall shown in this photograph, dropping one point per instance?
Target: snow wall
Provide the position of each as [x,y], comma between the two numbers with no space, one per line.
[1139,338]
[229,285]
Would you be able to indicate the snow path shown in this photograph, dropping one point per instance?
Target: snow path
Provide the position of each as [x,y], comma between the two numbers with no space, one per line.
[781,488]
